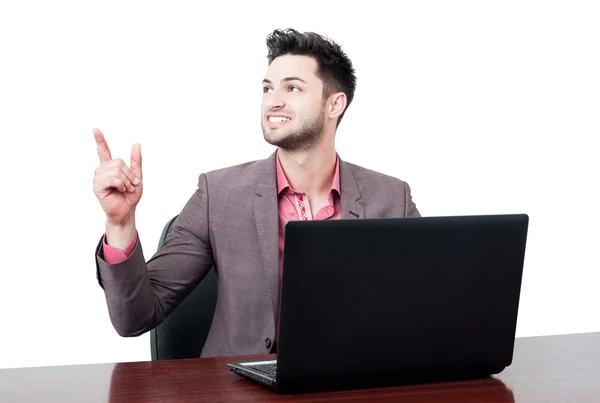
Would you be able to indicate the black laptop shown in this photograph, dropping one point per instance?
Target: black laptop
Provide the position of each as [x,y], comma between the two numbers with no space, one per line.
[376,302]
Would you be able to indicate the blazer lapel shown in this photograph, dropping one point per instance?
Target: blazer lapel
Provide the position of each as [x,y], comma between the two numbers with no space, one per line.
[267,226]
[351,206]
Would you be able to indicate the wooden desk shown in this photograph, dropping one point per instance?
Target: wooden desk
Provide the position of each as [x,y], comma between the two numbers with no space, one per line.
[545,369]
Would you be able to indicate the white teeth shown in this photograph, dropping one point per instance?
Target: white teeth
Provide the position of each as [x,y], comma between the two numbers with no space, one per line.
[278,119]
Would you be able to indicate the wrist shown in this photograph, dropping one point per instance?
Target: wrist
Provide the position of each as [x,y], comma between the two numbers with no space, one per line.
[123,224]
[120,234]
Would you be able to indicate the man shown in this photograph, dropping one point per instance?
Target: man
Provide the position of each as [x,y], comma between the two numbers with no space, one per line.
[236,217]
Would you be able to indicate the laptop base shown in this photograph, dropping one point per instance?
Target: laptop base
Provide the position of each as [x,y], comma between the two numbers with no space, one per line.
[245,370]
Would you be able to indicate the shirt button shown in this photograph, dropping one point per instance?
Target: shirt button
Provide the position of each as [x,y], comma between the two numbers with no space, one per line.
[268,343]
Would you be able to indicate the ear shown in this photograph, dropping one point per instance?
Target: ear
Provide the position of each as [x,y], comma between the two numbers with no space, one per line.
[336,105]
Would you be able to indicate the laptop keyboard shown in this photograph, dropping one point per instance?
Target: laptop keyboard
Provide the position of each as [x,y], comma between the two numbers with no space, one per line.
[268,369]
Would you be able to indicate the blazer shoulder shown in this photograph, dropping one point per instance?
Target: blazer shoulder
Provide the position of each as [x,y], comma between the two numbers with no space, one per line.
[369,179]
[234,169]
[240,176]
[385,195]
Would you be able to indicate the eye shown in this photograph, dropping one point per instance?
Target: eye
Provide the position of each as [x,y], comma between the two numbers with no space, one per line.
[293,88]
[266,89]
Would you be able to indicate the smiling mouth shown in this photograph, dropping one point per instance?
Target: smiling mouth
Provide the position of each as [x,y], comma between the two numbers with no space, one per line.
[278,119]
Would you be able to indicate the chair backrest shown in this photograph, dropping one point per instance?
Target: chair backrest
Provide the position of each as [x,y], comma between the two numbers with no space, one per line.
[183,333]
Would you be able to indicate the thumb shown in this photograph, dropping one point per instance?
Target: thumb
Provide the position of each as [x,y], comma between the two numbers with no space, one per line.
[136,159]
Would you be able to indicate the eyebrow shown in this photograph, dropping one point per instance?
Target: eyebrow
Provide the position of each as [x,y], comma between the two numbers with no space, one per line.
[285,79]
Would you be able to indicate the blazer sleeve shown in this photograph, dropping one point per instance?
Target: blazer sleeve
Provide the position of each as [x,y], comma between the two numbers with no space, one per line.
[410,208]
[140,294]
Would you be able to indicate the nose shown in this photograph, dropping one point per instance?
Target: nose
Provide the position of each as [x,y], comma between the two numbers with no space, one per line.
[276,101]
[277,104]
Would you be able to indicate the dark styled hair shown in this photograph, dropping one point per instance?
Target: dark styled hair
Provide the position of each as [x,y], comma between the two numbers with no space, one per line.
[334,67]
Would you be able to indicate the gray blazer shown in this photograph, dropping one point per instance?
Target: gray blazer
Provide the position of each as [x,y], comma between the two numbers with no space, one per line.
[231,222]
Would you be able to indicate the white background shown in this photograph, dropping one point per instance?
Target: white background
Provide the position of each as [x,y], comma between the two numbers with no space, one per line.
[483,107]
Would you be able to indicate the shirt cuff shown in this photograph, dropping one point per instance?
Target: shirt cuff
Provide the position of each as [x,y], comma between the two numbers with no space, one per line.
[114,255]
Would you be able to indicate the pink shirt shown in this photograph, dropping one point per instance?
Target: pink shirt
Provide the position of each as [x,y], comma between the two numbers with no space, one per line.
[288,206]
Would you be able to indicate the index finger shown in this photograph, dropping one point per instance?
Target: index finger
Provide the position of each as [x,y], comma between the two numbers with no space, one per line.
[102,146]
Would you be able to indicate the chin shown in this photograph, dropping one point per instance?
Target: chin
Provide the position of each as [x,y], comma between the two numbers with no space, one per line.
[275,134]
[274,140]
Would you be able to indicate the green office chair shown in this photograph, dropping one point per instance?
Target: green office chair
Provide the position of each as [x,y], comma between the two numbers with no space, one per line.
[183,333]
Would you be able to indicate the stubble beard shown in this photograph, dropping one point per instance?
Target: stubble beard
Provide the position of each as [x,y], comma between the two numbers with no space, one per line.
[305,138]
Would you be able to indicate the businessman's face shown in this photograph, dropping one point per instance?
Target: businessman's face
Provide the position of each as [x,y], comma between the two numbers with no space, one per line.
[293,111]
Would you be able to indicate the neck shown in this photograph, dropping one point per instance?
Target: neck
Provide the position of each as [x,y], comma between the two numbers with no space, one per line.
[310,171]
